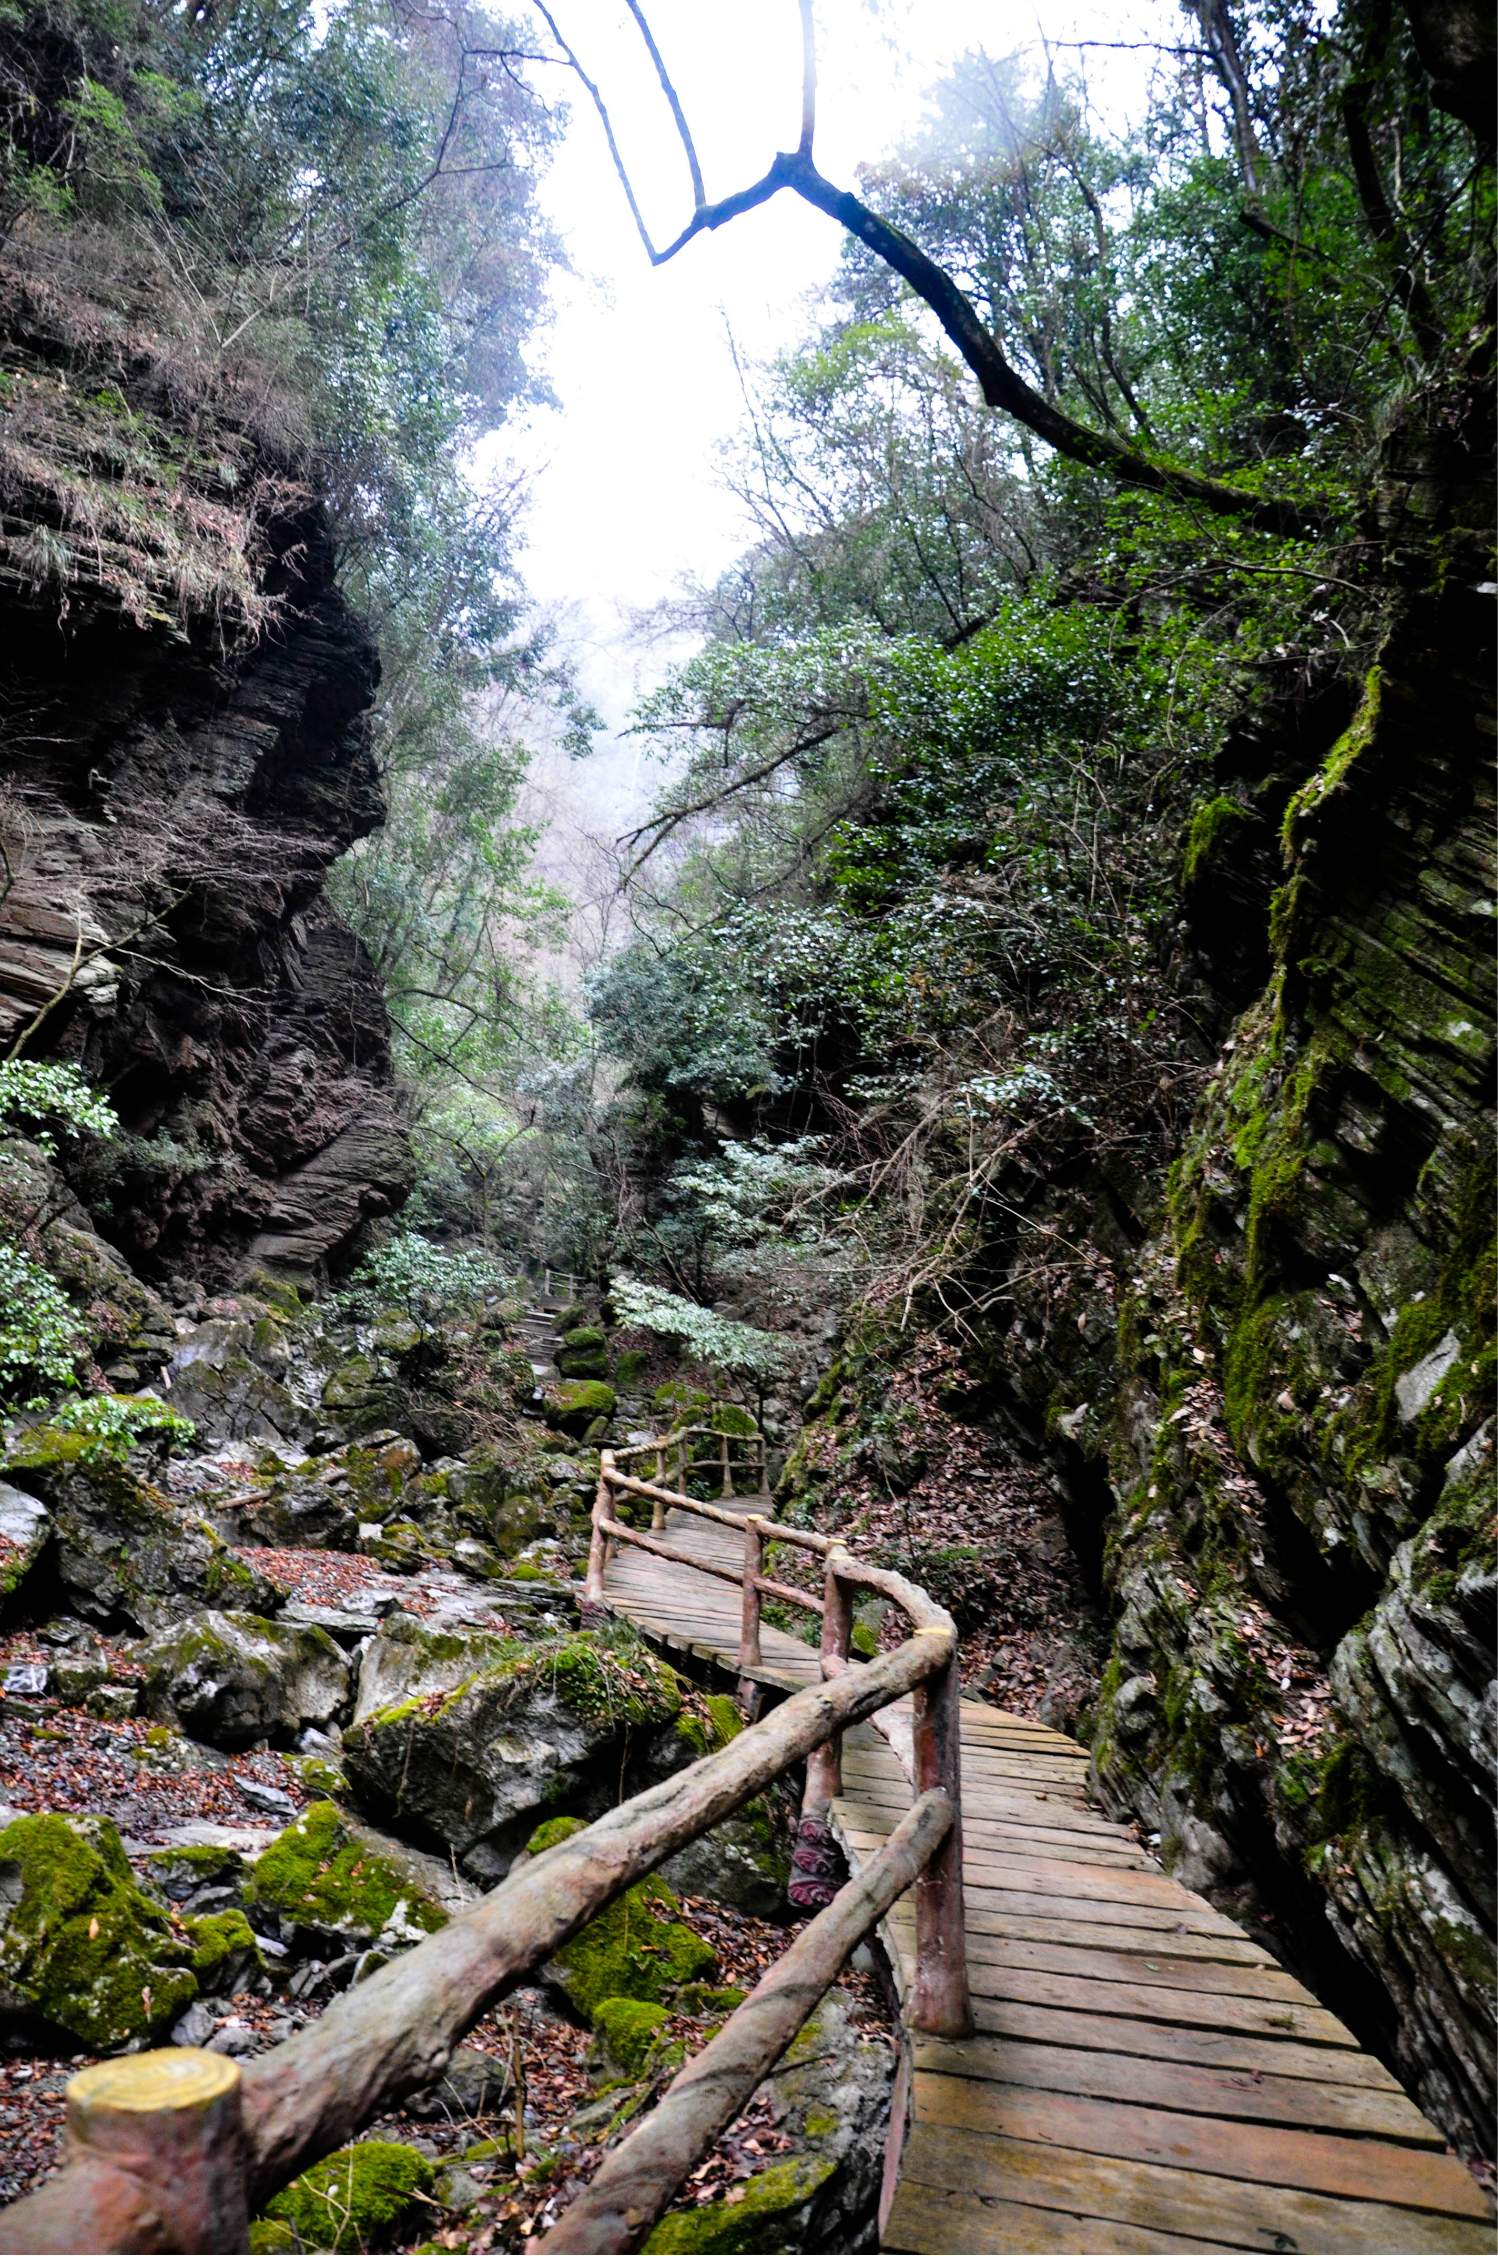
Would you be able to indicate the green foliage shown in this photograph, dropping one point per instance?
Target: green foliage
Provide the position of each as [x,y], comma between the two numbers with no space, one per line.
[112,1424]
[320,1875]
[55,1098]
[39,1333]
[707,1337]
[426,1280]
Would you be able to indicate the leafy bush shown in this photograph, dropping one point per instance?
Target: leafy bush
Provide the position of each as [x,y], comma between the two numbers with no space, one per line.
[114,1423]
[424,1279]
[714,1339]
[39,1332]
[57,1097]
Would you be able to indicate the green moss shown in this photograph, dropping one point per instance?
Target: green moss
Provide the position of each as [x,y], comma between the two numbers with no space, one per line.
[358,2198]
[628,2028]
[819,2126]
[555,1829]
[224,1951]
[82,1945]
[1210,825]
[319,1875]
[760,2219]
[1333,773]
[700,1998]
[635,1948]
[270,2236]
[576,1403]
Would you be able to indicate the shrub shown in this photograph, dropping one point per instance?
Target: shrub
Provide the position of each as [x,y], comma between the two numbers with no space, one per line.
[424,1279]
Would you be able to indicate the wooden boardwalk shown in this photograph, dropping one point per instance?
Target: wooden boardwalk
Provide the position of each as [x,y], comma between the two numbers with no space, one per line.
[1143,2076]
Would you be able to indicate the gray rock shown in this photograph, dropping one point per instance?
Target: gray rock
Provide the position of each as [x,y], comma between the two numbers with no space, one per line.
[739,1864]
[24,1528]
[232,1679]
[196,2026]
[1414,1388]
[123,1552]
[408,1661]
[226,1376]
[478,1754]
[472,2086]
[302,1512]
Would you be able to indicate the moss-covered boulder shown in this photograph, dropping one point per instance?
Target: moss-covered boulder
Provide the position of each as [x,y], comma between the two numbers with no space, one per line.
[627,2028]
[770,2210]
[188,1875]
[573,1405]
[326,1887]
[123,1550]
[225,1953]
[233,1679]
[408,1661]
[583,1353]
[540,1723]
[638,1947]
[82,1948]
[358,2198]
[302,1511]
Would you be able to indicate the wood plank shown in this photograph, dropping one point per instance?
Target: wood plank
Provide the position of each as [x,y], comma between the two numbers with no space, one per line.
[996,1855]
[1250,2095]
[1139,2001]
[1085,1934]
[1188,1917]
[1208,2048]
[1055,1876]
[1260,2153]
[1195,2202]
[1200,1977]
[969,2224]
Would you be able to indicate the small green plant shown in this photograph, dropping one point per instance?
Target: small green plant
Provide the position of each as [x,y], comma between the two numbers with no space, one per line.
[740,1348]
[423,1278]
[113,1423]
[39,1334]
[57,1098]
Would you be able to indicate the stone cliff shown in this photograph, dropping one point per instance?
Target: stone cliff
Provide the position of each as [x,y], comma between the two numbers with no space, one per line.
[187,751]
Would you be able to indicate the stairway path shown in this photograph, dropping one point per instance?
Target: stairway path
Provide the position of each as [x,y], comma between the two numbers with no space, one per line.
[1143,2075]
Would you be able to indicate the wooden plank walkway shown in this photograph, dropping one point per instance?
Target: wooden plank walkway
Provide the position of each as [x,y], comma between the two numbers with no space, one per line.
[1143,2076]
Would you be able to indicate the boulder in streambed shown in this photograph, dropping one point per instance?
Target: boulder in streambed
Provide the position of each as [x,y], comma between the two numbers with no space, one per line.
[85,1950]
[232,1679]
[323,1886]
[485,1735]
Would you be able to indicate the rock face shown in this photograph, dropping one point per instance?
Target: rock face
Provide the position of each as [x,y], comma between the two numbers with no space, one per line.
[235,1679]
[180,785]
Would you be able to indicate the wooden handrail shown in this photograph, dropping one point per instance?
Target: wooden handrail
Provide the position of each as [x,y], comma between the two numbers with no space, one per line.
[395,2033]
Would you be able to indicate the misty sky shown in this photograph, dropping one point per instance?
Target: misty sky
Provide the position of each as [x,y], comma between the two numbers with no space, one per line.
[626,495]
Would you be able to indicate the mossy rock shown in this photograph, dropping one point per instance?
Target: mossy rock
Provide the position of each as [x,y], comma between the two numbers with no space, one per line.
[585,1336]
[81,1945]
[233,1678]
[358,2198]
[225,1952]
[627,2029]
[630,1366]
[635,1948]
[574,1405]
[178,1873]
[764,2216]
[322,1879]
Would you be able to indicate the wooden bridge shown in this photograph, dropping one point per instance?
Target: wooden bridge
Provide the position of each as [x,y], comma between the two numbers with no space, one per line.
[1143,2075]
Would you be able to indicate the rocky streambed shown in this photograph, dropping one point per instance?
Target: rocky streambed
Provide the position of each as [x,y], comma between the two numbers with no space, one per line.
[276,1708]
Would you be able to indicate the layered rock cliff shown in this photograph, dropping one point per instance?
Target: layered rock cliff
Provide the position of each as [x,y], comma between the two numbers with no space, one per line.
[186,752]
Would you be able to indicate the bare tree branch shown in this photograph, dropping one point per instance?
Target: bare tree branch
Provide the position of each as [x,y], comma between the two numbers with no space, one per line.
[699,193]
[1001,384]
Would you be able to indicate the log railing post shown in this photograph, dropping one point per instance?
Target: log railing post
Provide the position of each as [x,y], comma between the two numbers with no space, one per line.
[940,2004]
[824,1768]
[727,1489]
[156,2159]
[754,1567]
[598,1549]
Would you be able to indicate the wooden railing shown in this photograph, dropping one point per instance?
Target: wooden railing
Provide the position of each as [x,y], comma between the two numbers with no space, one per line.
[675,1449]
[175,2150]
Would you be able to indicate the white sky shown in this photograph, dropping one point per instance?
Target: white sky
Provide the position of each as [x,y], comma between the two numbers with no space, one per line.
[626,497]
